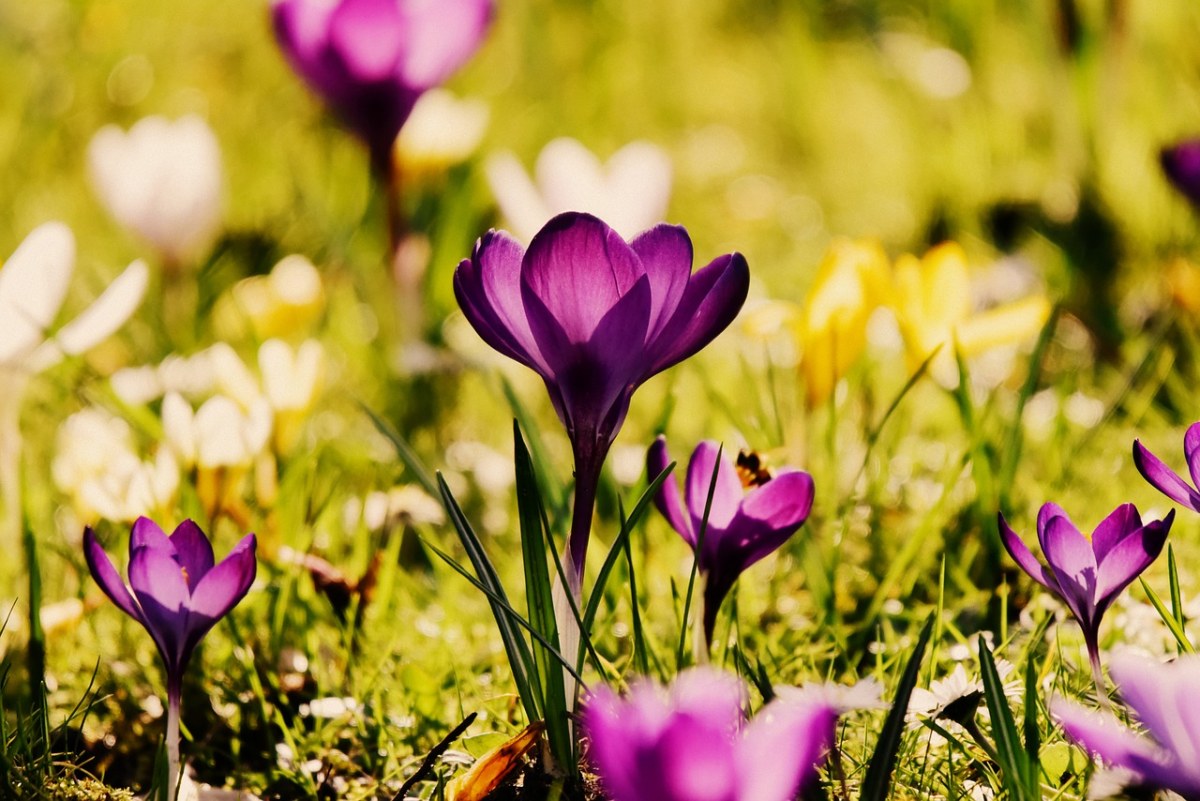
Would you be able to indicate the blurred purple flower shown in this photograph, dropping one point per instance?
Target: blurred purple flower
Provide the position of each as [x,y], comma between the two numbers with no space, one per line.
[1166,480]
[1163,696]
[690,742]
[1181,163]
[371,59]
[595,316]
[177,592]
[743,526]
[1089,573]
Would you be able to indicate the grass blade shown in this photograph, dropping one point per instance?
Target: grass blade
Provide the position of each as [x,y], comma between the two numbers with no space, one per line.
[877,781]
[1017,769]
[1181,638]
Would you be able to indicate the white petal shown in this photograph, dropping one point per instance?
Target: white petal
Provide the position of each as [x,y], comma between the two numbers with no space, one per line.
[519,200]
[108,312]
[637,188]
[571,177]
[33,284]
[179,427]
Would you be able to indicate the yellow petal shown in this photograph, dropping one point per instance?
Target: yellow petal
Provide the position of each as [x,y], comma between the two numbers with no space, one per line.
[1004,325]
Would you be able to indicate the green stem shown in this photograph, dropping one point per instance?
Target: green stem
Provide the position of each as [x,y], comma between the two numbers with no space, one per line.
[174,691]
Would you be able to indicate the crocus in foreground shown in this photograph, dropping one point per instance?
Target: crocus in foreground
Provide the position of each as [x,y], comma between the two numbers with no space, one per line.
[1163,697]
[177,593]
[371,59]
[1089,573]
[690,742]
[1166,480]
[595,316]
[747,520]
[1181,163]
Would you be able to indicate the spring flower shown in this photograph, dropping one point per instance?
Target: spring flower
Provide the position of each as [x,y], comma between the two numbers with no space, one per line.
[690,742]
[630,191]
[1089,573]
[851,282]
[748,519]
[1163,697]
[1181,163]
[177,593]
[595,316]
[287,300]
[1166,480]
[371,59]
[442,131]
[932,300]
[161,180]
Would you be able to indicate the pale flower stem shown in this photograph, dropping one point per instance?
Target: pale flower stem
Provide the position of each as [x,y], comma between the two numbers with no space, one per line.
[173,694]
[1098,675]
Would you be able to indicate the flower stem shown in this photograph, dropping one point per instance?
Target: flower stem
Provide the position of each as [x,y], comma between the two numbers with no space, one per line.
[587,479]
[1098,673]
[174,691]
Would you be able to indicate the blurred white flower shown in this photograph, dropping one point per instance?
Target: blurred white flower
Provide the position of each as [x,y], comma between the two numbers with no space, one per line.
[162,180]
[290,380]
[33,285]
[220,434]
[99,468]
[442,131]
[630,192]
[866,694]
[407,504]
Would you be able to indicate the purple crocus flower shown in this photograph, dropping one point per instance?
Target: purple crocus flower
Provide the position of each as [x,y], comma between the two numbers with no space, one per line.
[745,523]
[1166,480]
[1163,696]
[690,742]
[1181,163]
[177,593]
[371,59]
[1089,573]
[595,316]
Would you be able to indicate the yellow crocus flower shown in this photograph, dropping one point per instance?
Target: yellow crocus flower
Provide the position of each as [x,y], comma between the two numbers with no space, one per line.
[851,281]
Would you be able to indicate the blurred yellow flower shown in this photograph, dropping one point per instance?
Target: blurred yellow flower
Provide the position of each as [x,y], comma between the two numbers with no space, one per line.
[932,303]
[442,131]
[284,303]
[851,281]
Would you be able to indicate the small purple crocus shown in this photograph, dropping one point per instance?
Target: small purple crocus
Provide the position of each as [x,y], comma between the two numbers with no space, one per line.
[1166,480]
[690,742]
[1163,696]
[177,593]
[1089,573]
[1181,163]
[744,525]
[371,59]
[595,316]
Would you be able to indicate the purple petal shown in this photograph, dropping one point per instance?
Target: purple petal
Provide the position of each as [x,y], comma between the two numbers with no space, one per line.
[668,498]
[368,36]
[1191,452]
[1121,523]
[768,516]
[1048,512]
[696,763]
[162,593]
[576,271]
[302,27]
[193,551]
[711,696]
[622,734]
[1163,478]
[666,254]
[1181,163]
[228,582]
[1164,697]
[442,36]
[488,289]
[147,534]
[107,576]
[1129,557]
[1025,559]
[1102,735]
[726,493]
[782,748]
[712,299]
[1070,557]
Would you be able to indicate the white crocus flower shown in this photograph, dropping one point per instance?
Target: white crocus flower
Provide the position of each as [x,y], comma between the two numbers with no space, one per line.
[33,285]
[290,379]
[162,180]
[442,131]
[630,192]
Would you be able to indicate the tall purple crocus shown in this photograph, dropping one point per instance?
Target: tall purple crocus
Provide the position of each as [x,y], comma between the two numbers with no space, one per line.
[177,593]
[595,316]
[690,742]
[1163,696]
[1166,480]
[1089,573]
[371,59]
[745,523]
[1181,163]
